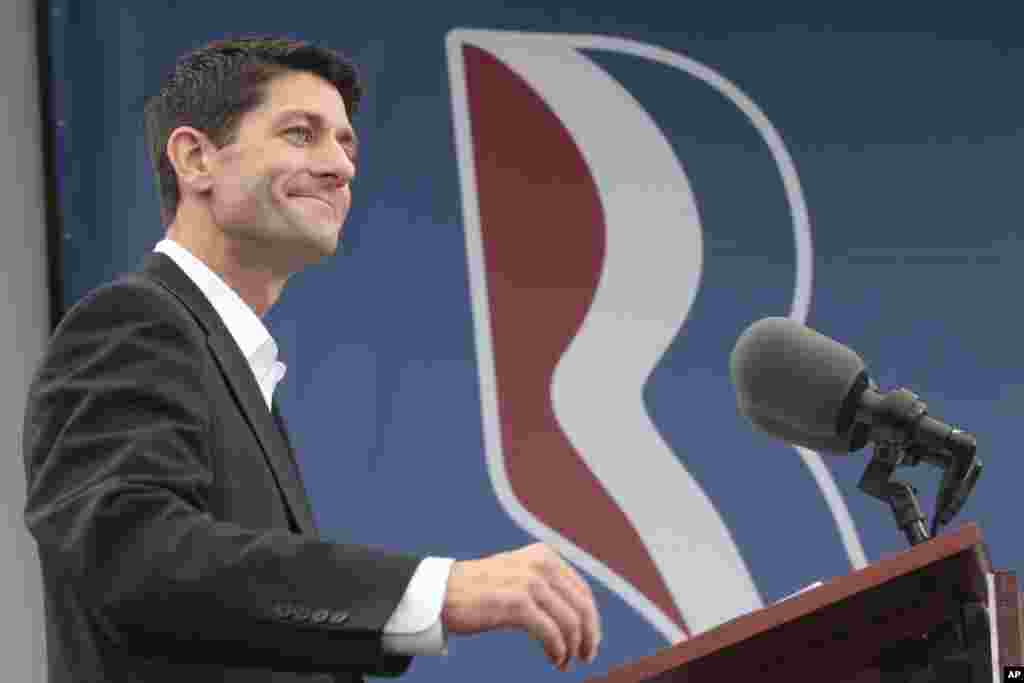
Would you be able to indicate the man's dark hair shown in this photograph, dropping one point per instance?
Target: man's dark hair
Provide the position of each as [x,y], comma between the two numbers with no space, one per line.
[212,87]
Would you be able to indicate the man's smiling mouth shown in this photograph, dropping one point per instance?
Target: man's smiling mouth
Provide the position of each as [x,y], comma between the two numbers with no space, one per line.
[319,199]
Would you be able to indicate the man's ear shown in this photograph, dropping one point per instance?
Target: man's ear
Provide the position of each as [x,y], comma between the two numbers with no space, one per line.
[190,153]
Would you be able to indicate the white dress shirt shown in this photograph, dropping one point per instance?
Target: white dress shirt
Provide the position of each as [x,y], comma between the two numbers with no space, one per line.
[415,626]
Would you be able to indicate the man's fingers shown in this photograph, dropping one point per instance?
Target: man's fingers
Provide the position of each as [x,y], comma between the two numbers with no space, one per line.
[543,628]
[579,597]
[551,600]
[580,584]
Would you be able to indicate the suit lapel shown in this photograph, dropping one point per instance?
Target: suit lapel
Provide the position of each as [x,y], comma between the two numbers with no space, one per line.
[246,391]
[276,412]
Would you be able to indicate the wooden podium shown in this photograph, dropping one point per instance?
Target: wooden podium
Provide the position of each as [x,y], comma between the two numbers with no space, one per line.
[935,612]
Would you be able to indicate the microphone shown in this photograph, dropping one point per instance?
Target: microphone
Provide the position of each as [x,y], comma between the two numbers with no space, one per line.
[805,388]
[802,387]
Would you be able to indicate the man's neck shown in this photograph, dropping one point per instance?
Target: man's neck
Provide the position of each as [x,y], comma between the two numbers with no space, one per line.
[250,276]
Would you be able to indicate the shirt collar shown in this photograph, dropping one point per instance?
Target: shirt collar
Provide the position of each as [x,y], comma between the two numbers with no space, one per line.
[246,328]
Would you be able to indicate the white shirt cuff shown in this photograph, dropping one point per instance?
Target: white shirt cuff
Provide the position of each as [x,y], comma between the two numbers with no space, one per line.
[415,626]
[433,641]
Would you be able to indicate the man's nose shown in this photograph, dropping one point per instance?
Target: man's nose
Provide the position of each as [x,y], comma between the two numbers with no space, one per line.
[334,161]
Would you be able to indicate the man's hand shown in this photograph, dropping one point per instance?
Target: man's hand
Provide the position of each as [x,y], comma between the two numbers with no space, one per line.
[531,588]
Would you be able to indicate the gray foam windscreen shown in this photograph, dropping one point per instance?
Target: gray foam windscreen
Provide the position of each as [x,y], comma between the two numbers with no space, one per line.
[791,382]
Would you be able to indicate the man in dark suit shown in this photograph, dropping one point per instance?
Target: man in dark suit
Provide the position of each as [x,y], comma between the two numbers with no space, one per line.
[175,536]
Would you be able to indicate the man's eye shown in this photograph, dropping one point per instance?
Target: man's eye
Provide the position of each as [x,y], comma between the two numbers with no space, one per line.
[307,134]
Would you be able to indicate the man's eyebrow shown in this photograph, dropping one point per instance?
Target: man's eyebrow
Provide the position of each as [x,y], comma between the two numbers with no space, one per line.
[347,134]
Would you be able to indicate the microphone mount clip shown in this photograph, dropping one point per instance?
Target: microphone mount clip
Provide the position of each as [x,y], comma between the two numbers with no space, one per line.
[904,435]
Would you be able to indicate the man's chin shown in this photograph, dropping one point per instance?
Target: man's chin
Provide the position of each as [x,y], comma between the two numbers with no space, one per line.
[321,248]
[314,243]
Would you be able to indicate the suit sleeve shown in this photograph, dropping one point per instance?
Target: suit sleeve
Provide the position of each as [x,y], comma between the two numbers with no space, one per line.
[119,476]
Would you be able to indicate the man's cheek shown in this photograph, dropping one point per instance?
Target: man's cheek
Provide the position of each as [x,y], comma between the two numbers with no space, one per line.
[231,191]
[252,195]
[235,204]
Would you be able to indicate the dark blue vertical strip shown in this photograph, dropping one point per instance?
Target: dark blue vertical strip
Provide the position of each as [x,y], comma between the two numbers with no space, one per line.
[49,34]
[78,88]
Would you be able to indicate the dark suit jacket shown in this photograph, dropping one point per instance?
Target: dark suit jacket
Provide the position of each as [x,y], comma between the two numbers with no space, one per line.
[175,536]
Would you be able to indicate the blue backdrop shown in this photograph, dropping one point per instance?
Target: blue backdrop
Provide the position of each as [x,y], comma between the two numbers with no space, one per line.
[904,129]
